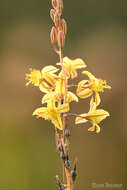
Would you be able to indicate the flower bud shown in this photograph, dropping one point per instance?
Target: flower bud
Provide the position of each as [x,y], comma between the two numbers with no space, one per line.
[61,39]
[56,19]
[54,3]
[53,35]
[64,26]
[52,14]
[60,6]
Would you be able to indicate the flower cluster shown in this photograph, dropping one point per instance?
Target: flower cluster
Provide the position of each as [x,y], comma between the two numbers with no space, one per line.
[50,81]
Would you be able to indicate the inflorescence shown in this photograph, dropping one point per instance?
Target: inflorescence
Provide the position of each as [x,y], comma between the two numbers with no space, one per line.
[55,82]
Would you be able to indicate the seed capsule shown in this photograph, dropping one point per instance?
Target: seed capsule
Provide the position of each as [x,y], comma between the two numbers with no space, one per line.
[68,164]
[74,174]
[61,39]
[67,132]
[63,156]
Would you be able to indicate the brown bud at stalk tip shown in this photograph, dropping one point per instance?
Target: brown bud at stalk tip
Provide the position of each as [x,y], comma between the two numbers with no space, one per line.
[64,26]
[54,4]
[53,35]
[61,39]
[52,14]
[60,6]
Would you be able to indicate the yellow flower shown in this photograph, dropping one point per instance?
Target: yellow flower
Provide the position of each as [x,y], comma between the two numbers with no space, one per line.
[58,94]
[94,85]
[34,77]
[53,113]
[49,79]
[71,66]
[45,78]
[48,74]
[94,116]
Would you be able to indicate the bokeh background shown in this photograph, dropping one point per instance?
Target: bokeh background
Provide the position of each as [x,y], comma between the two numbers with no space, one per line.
[97,33]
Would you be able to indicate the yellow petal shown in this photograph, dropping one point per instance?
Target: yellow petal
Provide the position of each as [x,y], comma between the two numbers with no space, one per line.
[97,128]
[49,69]
[44,87]
[84,93]
[74,74]
[81,119]
[51,78]
[47,97]
[60,87]
[92,105]
[90,76]
[97,98]
[98,115]
[57,122]
[63,108]
[82,84]
[71,97]
[41,112]
[92,128]
[77,63]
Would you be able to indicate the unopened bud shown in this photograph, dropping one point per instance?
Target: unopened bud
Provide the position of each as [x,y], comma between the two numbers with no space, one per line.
[64,26]
[56,19]
[53,35]
[60,6]
[73,175]
[61,39]
[52,14]
[54,3]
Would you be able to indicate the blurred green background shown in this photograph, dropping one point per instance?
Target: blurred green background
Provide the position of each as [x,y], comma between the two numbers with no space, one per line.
[97,33]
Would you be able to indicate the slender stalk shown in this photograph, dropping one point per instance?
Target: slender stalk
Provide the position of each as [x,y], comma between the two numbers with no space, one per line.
[66,172]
